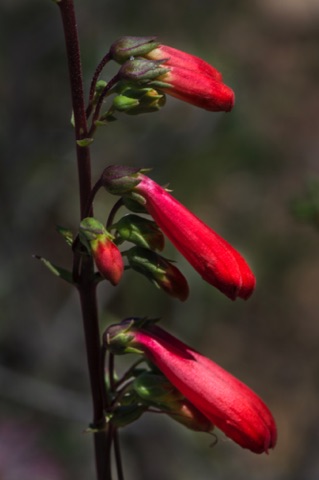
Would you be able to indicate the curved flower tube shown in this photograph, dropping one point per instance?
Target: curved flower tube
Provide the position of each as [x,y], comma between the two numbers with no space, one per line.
[210,255]
[227,402]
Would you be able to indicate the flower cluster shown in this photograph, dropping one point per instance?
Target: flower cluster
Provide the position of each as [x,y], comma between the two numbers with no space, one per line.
[212,257]
[178,381]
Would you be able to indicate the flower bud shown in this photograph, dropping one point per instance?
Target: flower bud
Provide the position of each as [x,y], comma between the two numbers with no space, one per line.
[119,180]
[119,338]
[124,415]
[159,271]
[107,256]
[141,70]
[121,103]
[127,47]
[154,388]
[157,391]
[137,100]
[141,231]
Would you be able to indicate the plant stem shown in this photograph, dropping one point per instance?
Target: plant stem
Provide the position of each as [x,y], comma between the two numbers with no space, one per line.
[85,280]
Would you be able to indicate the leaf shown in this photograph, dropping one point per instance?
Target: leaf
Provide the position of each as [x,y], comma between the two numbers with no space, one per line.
[66,233]
[58,271]
[84,142]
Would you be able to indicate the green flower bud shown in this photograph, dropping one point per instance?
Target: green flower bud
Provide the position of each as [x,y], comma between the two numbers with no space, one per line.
[159,271]
[141,231]
[124,415]
[106,254]
[119,180]
[141,70]
[127,47]
[121,103]
[119,339]
[156,390]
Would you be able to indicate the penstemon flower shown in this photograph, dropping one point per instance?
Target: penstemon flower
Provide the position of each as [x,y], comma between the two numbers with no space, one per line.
[172,71]
[211,256]
[227,402]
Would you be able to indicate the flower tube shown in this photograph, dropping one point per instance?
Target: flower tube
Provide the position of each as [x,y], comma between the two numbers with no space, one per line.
[227,402]
[177,58]
[211,256]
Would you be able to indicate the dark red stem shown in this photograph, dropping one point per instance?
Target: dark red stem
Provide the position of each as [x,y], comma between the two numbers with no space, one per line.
[85,278]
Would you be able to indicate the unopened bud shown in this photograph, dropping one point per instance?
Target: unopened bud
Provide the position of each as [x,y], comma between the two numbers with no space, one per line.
[127,47]
[156,390]
[107,256]
[119,180]
[141,70]
[159,271]
[141,231]
[120,337]
[124,415]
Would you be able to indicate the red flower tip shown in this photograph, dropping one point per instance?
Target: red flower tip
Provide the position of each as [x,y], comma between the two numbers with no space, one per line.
[193,80]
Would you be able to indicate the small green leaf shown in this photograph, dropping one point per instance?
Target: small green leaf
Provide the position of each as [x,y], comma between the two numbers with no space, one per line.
[84,142]
[58,271]
[66,234]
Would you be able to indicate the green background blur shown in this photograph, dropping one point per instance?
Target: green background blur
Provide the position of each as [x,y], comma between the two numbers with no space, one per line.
[241,172]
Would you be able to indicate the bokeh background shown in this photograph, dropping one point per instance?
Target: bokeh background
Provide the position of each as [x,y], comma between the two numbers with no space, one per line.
[241,172]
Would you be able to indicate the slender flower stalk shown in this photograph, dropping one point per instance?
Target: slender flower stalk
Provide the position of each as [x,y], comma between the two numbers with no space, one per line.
[227,402]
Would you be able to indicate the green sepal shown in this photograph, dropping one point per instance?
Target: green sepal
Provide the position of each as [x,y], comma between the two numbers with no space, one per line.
[119,338]
[134,205]
[119,179]
[159,84]
[58,271]
[141,231]
[121,103]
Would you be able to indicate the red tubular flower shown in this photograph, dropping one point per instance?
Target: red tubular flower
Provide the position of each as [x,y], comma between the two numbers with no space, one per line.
[223,399]
[211,256]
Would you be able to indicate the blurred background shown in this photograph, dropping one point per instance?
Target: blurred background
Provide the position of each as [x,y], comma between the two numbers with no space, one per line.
[249,174]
